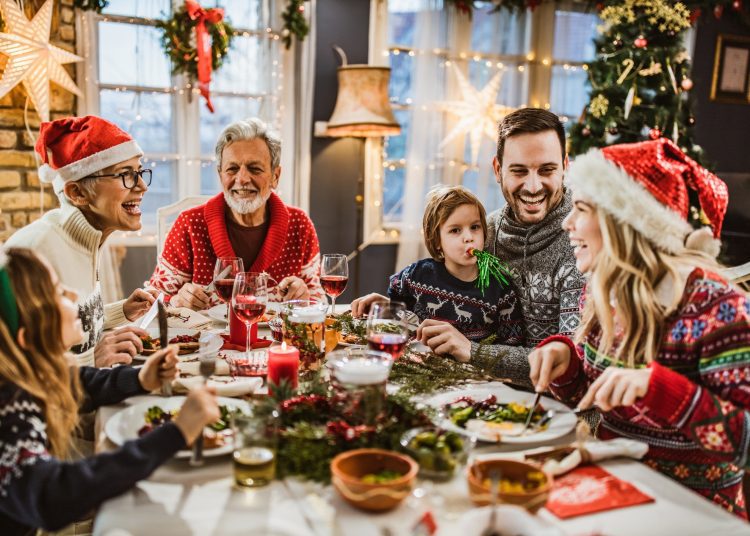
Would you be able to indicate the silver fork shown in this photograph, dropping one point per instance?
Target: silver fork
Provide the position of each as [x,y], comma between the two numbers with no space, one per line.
[490,529]
[206,367]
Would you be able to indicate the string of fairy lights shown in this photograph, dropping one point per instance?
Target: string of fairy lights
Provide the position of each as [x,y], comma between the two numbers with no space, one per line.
[186,88]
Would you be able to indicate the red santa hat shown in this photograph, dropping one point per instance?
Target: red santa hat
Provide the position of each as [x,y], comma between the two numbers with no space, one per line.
[646,185]
[81,146]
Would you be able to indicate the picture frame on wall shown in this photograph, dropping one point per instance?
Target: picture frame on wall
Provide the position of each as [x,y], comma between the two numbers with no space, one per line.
[731,77]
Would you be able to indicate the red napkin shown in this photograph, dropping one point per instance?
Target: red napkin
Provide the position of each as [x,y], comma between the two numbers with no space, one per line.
[259,343]
[590,489]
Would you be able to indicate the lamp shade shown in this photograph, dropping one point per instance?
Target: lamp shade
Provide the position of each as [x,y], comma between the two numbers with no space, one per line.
[362,106]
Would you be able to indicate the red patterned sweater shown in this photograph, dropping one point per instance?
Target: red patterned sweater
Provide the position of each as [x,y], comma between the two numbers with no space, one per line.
[199,235]
[696,413]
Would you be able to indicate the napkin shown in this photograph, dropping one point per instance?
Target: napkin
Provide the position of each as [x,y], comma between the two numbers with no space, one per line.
[231,387]
[594,451]
[182,317]
[192,368]
[259,343]
[590,489]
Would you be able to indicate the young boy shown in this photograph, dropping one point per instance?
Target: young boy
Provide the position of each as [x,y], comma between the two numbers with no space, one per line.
[443,287]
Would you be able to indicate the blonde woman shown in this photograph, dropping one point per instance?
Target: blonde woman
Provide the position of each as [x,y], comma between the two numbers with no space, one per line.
[663,349]
[40,399]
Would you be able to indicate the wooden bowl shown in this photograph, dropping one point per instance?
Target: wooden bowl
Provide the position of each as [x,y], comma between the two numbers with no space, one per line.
[348,468]
[479,490]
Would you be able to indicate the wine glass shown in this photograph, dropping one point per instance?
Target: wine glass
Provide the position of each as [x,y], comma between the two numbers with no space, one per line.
[225,270]
[386,329]
[334,274]
[249,299]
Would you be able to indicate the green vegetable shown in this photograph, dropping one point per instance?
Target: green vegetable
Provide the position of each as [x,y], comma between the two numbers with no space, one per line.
[386,475]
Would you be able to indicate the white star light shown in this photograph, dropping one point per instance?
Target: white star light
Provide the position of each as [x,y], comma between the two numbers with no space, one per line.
[477,112]
[32,60]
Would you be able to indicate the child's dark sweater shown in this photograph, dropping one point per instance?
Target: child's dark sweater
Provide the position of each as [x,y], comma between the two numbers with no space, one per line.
[430,291]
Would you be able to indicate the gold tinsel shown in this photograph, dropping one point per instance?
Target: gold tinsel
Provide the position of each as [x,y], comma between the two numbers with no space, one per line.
[599,106]
[660,14]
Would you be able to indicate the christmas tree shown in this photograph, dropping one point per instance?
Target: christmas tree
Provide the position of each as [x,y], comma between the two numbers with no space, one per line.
[640,79]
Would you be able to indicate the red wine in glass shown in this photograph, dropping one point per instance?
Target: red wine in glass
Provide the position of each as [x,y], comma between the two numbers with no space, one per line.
[224,289]
[333,285]
[248,309]
[392,343]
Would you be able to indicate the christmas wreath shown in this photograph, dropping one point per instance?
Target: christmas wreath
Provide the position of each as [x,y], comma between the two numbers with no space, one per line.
[185,44]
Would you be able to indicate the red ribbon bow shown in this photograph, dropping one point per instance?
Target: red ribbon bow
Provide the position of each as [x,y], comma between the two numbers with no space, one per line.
[203,44]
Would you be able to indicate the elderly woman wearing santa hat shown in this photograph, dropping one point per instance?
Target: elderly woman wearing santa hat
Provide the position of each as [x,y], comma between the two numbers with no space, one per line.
[96,171]
[663,349]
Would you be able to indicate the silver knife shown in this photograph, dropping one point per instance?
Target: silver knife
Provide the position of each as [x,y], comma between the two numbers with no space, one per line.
[151,314]
[166,386]
[225,272]
[531,411]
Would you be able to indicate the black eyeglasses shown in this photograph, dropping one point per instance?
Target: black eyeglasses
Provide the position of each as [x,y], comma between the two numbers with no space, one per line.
[129,178]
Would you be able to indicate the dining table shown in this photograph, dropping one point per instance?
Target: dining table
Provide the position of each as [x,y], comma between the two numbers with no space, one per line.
[180,499]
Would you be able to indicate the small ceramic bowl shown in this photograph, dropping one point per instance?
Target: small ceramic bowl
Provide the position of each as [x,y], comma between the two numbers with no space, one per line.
[440,453]
[349,468]
[532,495]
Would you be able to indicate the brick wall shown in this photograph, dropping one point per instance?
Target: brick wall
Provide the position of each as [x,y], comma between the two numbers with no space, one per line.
[19,181]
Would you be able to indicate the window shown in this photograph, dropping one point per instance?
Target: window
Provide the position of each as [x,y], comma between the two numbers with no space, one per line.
[540,58]
[128,81]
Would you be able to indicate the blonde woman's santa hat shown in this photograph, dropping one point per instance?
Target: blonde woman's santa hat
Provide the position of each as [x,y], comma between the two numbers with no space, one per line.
[646,185]
[76,147]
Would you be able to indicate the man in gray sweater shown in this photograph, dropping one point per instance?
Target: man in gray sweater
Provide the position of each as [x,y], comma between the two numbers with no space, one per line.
[527,235]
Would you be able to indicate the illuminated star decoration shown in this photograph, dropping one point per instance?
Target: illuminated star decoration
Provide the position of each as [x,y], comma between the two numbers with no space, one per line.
[477,111]
[32,60]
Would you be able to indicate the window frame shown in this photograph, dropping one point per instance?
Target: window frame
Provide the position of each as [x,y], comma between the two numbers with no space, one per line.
[186,112]
[540,40]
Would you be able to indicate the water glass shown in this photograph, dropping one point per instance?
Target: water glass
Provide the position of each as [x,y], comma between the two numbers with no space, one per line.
[256,436]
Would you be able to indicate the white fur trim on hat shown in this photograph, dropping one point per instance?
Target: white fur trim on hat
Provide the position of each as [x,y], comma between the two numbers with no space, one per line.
[46,173]
[98,161]
[608,186]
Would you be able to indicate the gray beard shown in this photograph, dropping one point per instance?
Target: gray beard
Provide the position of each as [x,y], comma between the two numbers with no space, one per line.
[246,206]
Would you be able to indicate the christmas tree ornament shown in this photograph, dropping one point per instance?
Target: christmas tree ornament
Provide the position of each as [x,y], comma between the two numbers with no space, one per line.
[477,112]
[629,64]
[695,15]
[586,131]
[32,60]
[599,106]
[691,120]
[610,138]
[686,84]
[617,43]
[718,11]
[489,267]
[737,5]
[629,101]
[640,42]
[645,131]
[654,133]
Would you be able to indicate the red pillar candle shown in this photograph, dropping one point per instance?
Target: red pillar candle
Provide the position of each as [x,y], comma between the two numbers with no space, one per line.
[283,363]
[238,330]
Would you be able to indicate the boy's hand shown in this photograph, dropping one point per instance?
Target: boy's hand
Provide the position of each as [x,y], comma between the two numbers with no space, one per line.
[444,339]
[361,306]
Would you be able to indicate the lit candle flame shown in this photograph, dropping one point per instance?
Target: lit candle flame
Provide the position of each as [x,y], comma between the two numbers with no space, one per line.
[283,346]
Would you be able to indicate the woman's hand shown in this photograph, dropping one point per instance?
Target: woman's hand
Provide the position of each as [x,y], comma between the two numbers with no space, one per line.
[138,303]
[119,346]
[617,387]
[361,306]
[548,363]
[199,410]
[160,367]
[444,339]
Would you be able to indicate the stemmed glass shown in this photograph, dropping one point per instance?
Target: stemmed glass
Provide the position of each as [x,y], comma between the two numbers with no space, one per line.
[386,328]
[334,274]
[249,299]
[225,270]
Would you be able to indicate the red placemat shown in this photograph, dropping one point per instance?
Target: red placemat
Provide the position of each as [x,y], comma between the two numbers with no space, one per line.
[590,489]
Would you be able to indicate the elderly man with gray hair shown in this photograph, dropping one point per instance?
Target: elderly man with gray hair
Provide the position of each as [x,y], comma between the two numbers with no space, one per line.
[246,220]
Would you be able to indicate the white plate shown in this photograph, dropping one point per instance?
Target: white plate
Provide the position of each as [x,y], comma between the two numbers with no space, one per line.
[214,341]
[124,425]
[563,421]
[511,521]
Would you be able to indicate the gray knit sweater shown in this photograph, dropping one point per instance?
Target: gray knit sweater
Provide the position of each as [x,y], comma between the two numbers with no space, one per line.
[541,260]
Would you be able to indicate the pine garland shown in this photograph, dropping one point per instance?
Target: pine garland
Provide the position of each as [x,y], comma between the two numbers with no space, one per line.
[419,373]
[295,23]
[91,5]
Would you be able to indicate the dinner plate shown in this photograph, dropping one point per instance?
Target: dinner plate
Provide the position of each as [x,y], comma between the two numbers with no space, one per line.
[124,425]
[511,521]
[561,423]
[214,341]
